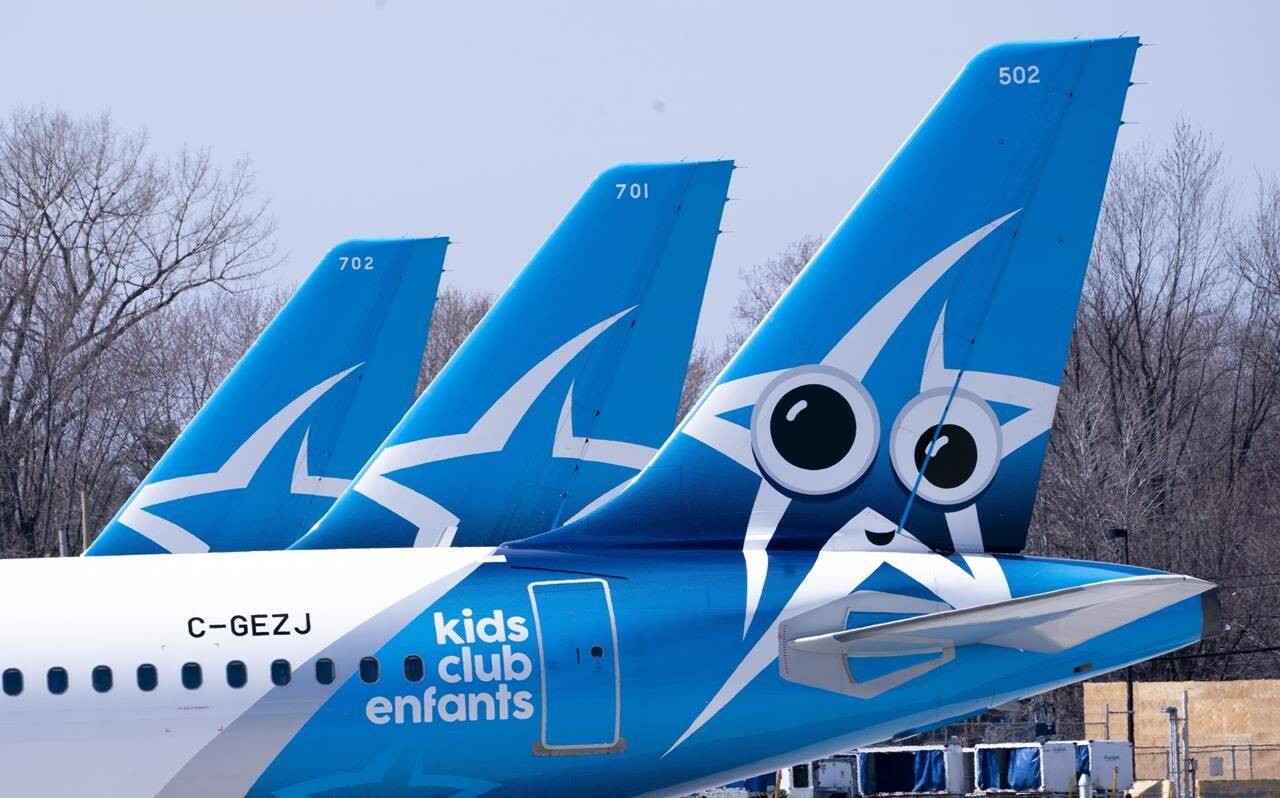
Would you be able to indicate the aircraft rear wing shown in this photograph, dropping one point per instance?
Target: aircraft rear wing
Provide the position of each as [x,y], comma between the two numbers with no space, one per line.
[816,646]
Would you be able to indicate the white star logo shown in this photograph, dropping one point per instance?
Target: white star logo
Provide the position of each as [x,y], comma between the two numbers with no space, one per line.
[435,524]
[854,354]
[234,474]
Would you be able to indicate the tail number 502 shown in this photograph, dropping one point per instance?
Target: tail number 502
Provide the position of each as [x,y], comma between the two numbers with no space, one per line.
[1019,75]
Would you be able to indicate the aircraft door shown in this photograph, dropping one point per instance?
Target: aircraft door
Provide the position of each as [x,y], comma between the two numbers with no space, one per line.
[578,652]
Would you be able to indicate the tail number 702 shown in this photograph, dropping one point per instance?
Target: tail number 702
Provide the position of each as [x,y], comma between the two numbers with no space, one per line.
[356,262]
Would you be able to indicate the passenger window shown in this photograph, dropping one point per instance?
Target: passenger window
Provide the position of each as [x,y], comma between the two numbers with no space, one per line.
[281,672]
[237,674]
[192,677]
[57,680]
[102,680]
[413,669]
[369,670]
[324,670]
[12,681]
[147,678]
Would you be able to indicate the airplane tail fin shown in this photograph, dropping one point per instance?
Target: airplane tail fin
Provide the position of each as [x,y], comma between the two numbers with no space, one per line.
[298,415]
[905,383]
[567,386]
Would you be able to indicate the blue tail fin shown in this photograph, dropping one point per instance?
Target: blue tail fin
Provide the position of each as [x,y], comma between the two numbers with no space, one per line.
[298,415]
[567,386]
[905,384]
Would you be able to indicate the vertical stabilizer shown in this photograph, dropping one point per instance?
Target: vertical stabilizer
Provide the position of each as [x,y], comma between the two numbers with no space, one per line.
[565,389]
[904,386]
[299,414]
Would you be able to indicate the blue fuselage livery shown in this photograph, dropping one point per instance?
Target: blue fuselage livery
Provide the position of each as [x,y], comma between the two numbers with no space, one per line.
[471,672]
[821,556]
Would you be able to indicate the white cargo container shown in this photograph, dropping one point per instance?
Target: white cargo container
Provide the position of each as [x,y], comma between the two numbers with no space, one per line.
[892,770]
[1024,767]
[1110,763]
[833,775]
[824,778]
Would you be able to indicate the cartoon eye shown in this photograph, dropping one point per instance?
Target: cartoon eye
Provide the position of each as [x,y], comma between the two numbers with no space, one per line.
[814,430]
[966,446]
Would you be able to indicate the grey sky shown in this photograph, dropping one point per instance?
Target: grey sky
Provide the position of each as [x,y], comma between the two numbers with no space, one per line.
[484,121]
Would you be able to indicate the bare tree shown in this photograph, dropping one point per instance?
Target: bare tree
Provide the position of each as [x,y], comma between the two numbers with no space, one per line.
[761,285]
[97,236]
[1170,389]
[705,364]
[764,282]
[456,314]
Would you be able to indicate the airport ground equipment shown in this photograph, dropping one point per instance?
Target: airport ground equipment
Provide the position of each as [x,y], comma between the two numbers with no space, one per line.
[913,770]
[832,777]
[1024,768]
[1109,763]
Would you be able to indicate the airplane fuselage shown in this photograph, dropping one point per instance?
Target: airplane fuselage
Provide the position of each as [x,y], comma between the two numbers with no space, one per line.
[477,671]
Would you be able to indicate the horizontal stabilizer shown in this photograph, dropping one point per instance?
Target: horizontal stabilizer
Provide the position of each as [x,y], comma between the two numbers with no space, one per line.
[1046,623]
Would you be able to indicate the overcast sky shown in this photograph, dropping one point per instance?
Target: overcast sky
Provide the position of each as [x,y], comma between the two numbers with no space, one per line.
[484,121]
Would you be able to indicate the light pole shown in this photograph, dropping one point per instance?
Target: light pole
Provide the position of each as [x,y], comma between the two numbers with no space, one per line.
[1175,756]
[1116,533]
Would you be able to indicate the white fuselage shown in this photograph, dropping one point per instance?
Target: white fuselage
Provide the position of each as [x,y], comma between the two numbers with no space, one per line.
[123,612]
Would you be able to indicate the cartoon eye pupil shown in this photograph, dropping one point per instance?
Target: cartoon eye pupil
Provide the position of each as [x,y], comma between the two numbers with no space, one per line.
[955,456]
[813,427]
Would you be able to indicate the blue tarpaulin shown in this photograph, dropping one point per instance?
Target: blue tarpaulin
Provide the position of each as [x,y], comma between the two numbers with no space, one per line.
[1082,759]
[931,771]
[755,784]
[900,772]
[760,784]
[991,771]
[1024,769]
[1009,768]
[886,772]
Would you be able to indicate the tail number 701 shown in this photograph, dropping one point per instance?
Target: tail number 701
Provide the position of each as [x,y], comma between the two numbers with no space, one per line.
[632,190]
